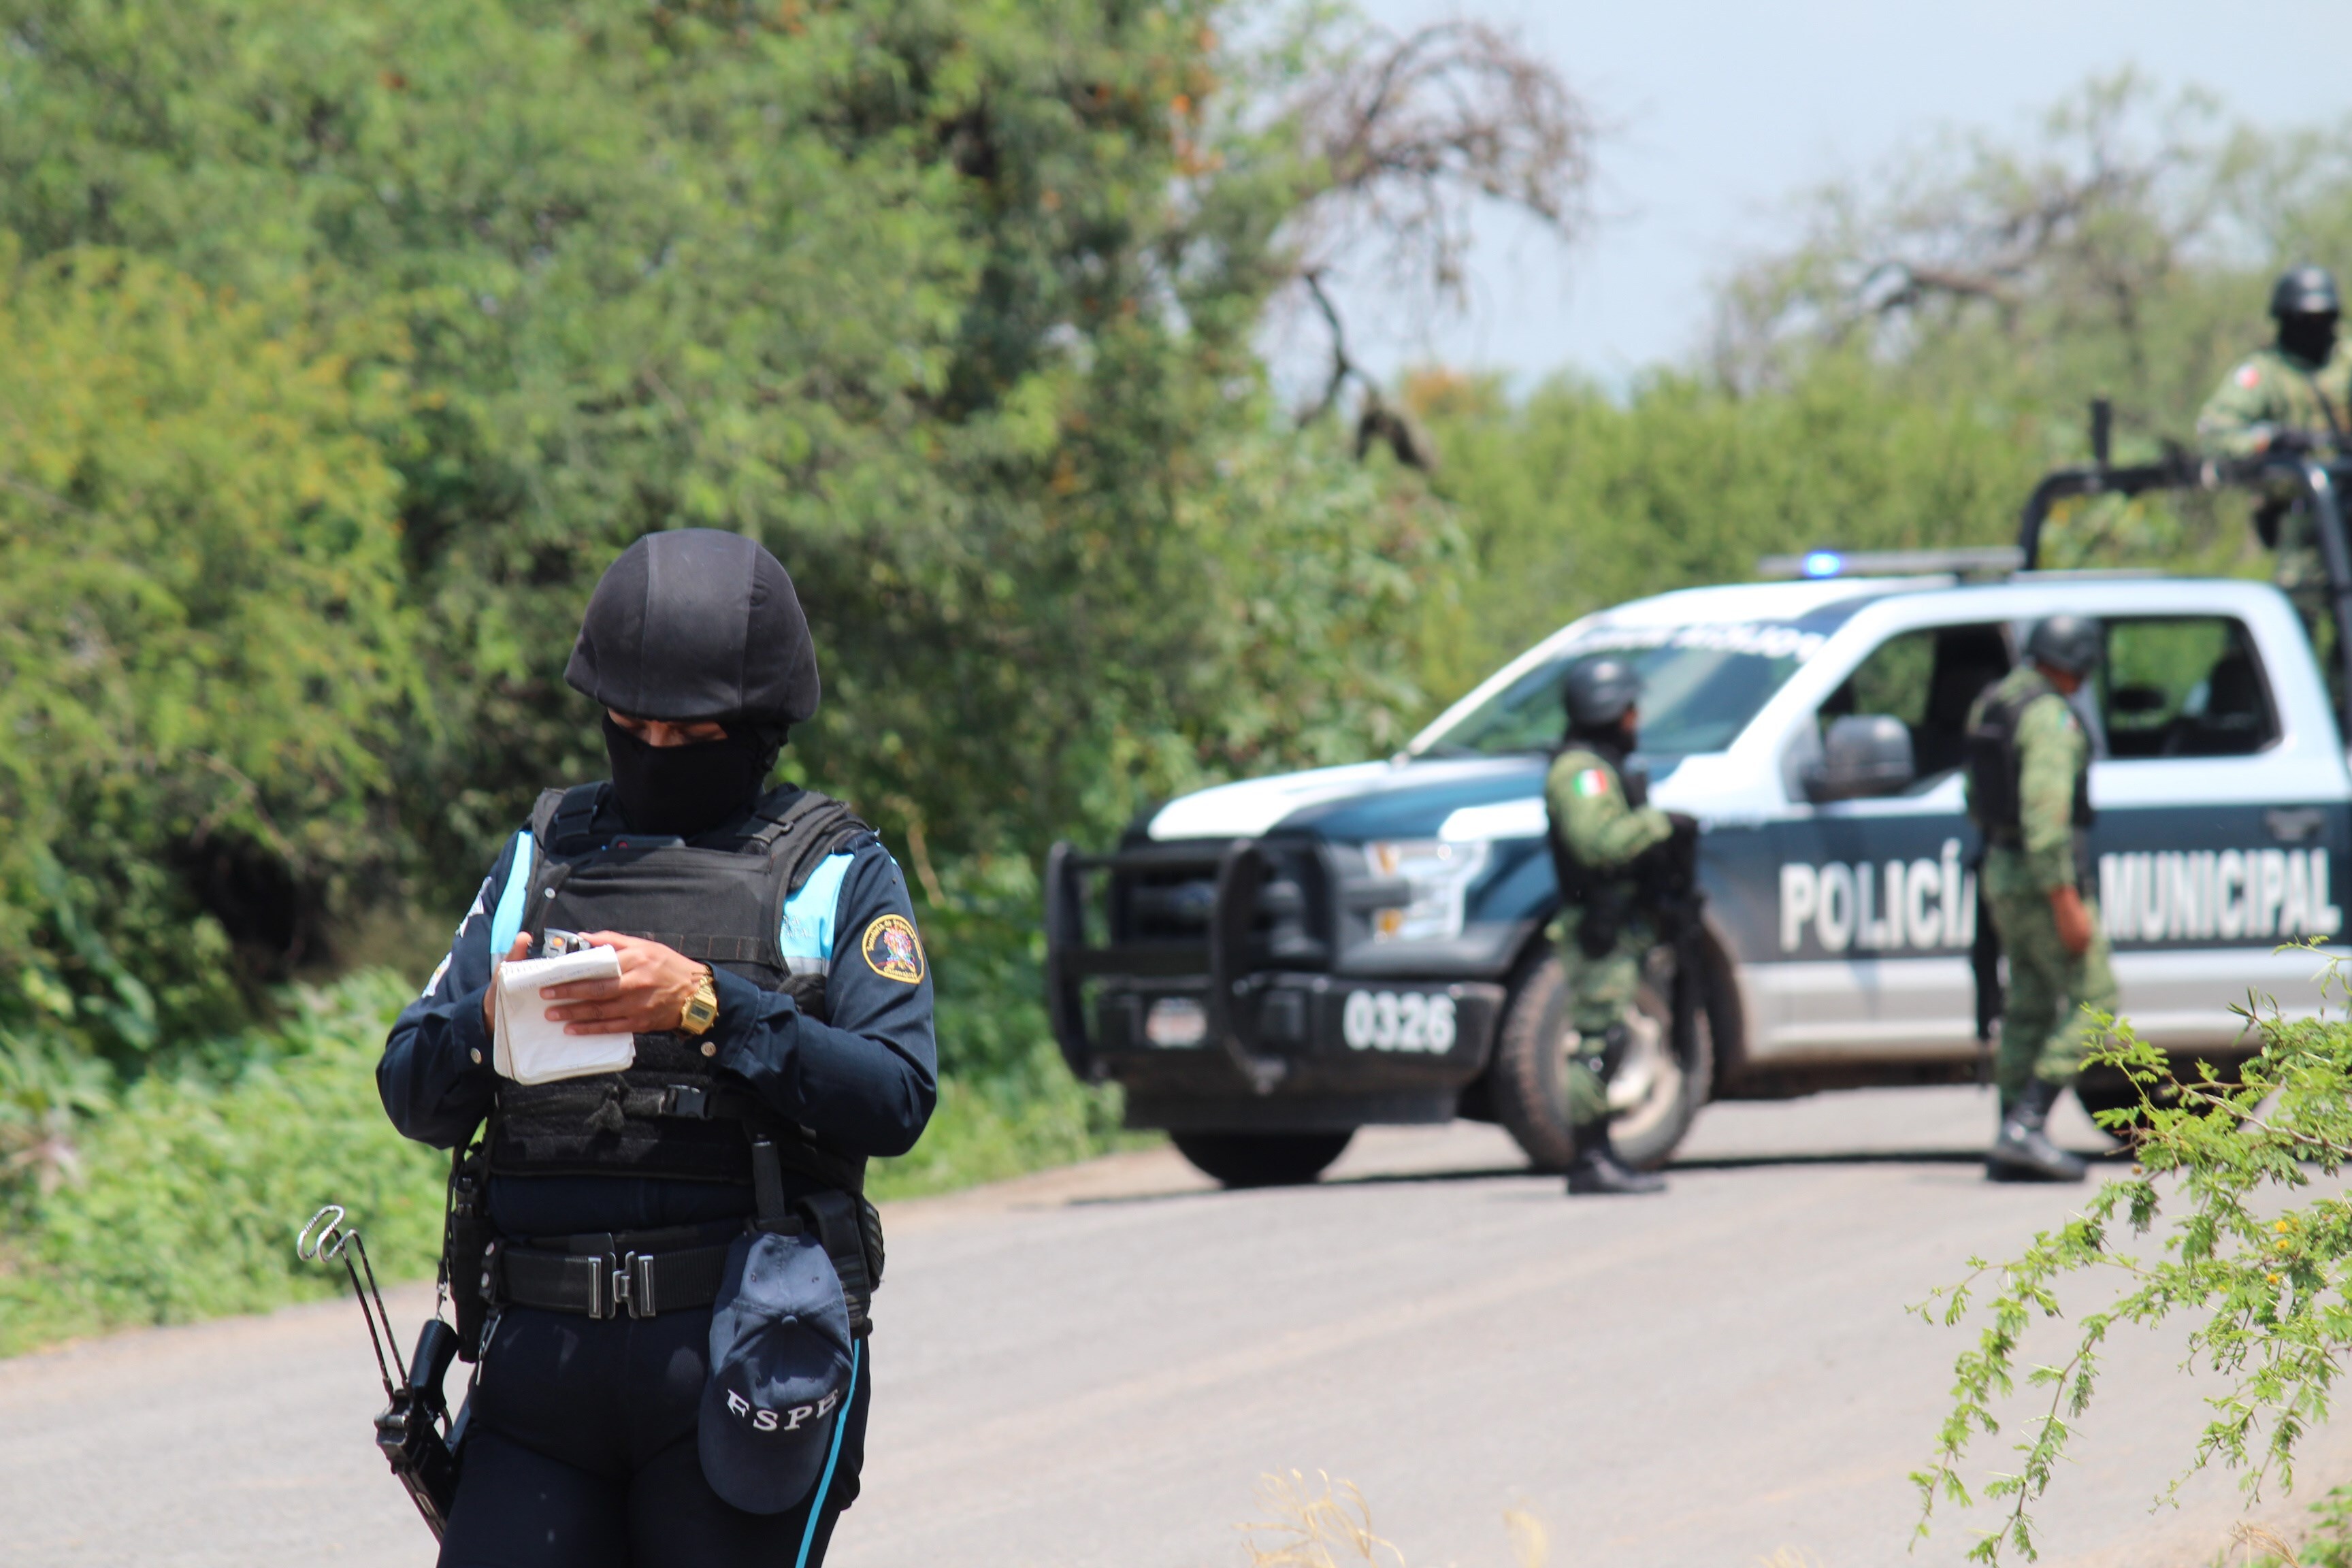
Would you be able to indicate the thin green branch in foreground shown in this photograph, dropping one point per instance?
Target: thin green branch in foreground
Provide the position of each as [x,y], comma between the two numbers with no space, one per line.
[2266,1292]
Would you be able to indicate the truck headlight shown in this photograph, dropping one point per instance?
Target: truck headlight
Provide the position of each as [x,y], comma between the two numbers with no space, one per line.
[1438,874]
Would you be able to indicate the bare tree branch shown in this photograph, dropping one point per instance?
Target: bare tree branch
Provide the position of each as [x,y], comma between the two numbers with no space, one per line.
[1342,367]
[1412,131]
[1406,137]
[2089,227]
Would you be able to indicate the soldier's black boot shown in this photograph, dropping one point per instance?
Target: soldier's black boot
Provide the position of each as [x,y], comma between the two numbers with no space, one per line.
[2023,1151]
[1596,1170]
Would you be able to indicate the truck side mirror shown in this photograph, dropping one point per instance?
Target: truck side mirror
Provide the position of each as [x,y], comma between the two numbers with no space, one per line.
[1864,754]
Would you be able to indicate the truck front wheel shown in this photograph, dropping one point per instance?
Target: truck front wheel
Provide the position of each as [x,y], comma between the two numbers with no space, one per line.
[1653,1093]
[1261,1158]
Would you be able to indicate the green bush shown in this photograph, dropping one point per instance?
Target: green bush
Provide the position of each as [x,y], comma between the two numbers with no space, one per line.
[178,1198]
[988,1129]
[203,660]
[2232,1218]
[188,1193]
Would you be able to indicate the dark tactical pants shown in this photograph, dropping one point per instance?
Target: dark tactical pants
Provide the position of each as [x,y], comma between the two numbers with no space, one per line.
[2044,1029]
[581,1453]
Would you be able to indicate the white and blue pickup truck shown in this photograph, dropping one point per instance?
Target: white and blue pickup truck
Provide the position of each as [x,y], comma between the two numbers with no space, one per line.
[1267,965]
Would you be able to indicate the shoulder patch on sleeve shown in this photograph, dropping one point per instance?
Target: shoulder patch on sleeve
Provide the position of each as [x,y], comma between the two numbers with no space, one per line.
[1591,783]
[2249,375]
[892,949]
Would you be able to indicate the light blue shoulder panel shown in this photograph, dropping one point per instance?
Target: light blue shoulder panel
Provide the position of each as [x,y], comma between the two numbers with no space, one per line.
[505,920]
[810,914]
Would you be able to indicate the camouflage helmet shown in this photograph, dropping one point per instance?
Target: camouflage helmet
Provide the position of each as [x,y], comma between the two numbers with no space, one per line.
[1598,691]
[2074,644]
[2304,291]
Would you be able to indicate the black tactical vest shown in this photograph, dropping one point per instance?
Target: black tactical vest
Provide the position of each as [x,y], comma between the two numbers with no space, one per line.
[1996,773]
[1579,883]
[721,900]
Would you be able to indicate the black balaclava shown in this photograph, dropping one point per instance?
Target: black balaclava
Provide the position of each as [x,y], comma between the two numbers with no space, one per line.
[691,789]
[689,626]
[2309,336]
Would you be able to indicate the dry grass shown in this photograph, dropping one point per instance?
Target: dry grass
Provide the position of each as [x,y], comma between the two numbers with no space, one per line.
[1311,1527]
[1530,1542]
[2249,1538]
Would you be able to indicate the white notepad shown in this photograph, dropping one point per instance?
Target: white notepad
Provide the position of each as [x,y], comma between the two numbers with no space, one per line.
[529,1046]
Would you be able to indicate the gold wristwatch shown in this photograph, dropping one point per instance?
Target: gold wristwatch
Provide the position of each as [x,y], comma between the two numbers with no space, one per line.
[701,1009]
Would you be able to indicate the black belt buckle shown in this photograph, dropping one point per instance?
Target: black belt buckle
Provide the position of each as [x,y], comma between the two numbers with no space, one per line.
[623,1282]
[687,1099]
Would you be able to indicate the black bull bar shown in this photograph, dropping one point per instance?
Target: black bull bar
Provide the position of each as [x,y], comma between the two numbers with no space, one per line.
[1072,958]
[1252,930]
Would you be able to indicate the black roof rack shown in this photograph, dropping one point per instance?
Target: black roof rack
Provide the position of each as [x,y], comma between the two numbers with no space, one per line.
[2312,482]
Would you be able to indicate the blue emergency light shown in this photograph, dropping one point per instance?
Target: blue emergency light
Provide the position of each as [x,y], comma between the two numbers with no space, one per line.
[1822,563]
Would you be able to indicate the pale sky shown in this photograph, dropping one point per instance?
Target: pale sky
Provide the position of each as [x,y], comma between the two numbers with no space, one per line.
[1723,110]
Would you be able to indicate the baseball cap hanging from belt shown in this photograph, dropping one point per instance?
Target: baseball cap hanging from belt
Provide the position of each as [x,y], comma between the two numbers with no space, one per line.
[781,1373]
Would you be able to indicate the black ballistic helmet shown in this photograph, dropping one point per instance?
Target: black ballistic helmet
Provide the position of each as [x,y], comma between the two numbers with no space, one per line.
[2304,291]
[1598,691]
[2070,643]
[697,623]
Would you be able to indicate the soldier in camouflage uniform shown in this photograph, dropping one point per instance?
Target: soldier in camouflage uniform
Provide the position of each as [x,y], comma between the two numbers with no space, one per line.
[2293,396]
[2028,770]
[1600,831]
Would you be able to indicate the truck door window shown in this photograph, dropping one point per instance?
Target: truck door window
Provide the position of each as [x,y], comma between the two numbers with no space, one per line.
[2184,686]
[1927,679]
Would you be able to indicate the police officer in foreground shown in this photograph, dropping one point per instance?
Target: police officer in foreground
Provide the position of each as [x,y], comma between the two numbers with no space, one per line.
[675,1261]
[2029,792]
[1604,840]
[2293,397]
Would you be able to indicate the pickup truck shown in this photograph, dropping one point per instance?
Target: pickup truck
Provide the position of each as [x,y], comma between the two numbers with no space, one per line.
[1267,965]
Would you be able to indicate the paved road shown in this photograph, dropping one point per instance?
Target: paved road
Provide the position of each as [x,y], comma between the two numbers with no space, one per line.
[1095,1366]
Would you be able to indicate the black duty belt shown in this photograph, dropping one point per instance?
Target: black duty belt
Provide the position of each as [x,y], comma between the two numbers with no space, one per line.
[604,1277]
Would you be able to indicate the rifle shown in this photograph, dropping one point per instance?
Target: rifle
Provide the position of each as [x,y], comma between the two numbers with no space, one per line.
[1667,875]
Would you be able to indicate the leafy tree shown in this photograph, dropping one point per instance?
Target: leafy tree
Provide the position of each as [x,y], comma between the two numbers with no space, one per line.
[949,304]
[952,305]
[2126,252]
[1899,375]
[2261,1281]
[1574,499]
[204,657]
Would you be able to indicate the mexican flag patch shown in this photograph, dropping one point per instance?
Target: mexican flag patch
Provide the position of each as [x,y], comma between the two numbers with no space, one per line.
[1591,781]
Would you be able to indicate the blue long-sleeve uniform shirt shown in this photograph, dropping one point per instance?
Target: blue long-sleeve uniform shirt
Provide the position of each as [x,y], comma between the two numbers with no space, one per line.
[866,1080]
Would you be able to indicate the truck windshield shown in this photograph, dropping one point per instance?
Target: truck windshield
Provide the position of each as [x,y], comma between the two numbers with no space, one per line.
[1700,686]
